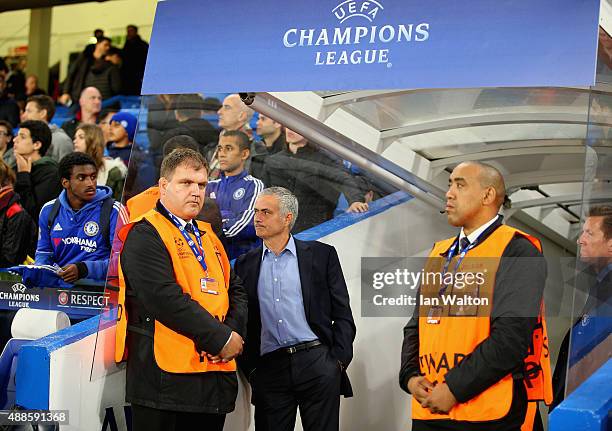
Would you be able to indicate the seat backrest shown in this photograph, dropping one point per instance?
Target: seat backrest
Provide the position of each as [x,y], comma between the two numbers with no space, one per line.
[32,324]
[8,367]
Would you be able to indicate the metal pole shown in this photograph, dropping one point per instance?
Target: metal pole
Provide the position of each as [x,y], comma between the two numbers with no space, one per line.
[324,136]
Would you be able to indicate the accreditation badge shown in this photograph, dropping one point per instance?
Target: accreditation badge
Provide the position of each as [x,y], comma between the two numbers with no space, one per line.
[209,285]
[434,315]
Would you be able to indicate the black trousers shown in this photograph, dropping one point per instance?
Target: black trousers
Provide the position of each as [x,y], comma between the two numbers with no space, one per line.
[308,380]
[150,419]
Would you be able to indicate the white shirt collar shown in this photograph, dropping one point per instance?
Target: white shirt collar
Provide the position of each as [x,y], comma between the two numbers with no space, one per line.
[181,221]
[474,235]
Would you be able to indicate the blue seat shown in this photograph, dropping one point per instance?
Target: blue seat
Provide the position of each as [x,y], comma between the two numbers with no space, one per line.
[8,367]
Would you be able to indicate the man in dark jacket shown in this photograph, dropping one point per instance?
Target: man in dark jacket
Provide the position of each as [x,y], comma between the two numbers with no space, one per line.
[75,82]
[300,326]
[37,175]
[188,111]
[105,76]
[273,136]
[9,110]
[314,178]
[476,193]
[134,59]
[158,298]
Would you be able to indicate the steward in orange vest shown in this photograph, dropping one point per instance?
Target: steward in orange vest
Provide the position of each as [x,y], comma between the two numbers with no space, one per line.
[476,364]
[181,310]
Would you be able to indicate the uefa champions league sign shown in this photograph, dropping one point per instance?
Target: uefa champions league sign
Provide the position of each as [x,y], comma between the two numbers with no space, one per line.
[370,44]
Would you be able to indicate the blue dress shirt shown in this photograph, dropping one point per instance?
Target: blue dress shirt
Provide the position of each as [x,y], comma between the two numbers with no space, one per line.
[281,305]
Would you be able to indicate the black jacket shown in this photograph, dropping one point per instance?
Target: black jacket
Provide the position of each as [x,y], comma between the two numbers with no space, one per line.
[106,77]
[9,110]
[75,81]
[153,294]
[199,129]
[39,186]
[326,303]
[134,59]
[315,179]
[519,286]
[17,231]
[257,168]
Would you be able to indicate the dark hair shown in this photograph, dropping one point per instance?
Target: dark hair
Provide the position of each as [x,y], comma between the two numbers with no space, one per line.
[180,141]
[604,211]
[189,105]
[9,127]
[44,102]
[182,156]
[113,50]
[7,175]
[133,26]
[241,138]
[71,160]
[40,132]
[103,113]
[103,38]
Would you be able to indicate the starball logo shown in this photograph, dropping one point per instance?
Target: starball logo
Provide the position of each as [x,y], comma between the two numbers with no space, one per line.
[356,44]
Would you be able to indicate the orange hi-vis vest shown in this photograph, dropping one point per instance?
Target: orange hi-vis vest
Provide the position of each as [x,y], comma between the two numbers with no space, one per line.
[174,352]
[460,328]
[142,203]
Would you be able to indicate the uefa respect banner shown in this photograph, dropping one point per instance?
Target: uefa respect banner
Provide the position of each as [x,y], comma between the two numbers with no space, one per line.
[274,45]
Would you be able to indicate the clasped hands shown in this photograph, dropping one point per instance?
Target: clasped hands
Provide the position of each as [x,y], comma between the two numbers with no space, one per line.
[232,349]
[438,399]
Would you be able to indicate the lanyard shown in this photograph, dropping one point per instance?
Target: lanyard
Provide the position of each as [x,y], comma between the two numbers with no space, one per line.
[451,254]
[198,252]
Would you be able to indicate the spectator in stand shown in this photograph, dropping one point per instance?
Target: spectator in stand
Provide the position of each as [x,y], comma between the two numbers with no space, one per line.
[31,87]
[122,133]
[315,178]
[77,228]
[9,110]
[89,49]
[105,76]
[145,201]
[235,192]
[234,115]
[188,111]
[89,139]
[114,56]
[42,108]
[134,59]
[160,119]
[105,118]
[37,175]
[273,137]
[90,103]
[141,172]
[79,70]
[15,81]
[6,143]
[17,229]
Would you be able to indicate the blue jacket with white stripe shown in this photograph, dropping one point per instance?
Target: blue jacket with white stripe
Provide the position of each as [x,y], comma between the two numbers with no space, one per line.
[76,236]
[235,197]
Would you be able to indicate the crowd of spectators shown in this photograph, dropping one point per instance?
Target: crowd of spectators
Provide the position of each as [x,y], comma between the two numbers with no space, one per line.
[94,158]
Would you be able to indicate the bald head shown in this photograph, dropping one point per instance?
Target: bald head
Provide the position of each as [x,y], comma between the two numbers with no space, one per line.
[90,100]
[234,114]
[475,193]
[488,176]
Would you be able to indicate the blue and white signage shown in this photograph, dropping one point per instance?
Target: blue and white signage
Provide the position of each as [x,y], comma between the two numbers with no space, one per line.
[275,45]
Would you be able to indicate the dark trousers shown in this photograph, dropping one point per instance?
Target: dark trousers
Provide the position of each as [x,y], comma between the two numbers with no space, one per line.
[308,380]
[150,419]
